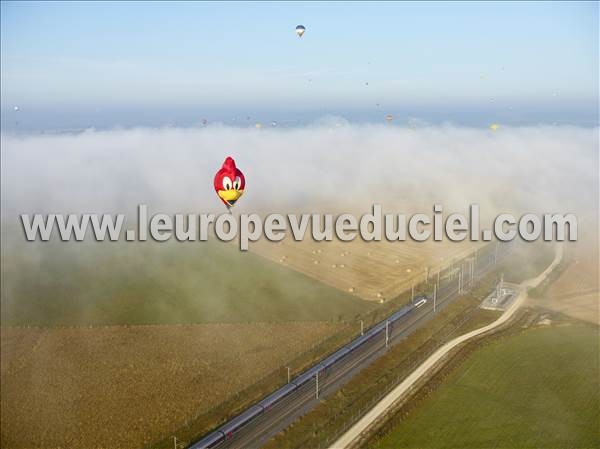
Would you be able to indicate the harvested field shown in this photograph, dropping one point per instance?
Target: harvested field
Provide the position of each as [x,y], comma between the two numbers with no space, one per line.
[128,386]
[575,293]
[369,270]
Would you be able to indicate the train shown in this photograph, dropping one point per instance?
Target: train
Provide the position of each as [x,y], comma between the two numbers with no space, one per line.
[420,303]
[227,430]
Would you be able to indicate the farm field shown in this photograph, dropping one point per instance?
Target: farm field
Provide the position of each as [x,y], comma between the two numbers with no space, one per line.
[128,386]
[575,292]
[532,258]
[372,271]
[335,413]
[73,283]
[121,345]
[538,388]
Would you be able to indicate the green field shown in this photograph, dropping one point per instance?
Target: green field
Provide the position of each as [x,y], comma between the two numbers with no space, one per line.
[539,388]
[74,283]
[533,257]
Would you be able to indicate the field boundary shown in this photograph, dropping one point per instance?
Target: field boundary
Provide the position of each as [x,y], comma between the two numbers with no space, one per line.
[126,326]
[186,433]
[349,438]
[526,319]
[445,365]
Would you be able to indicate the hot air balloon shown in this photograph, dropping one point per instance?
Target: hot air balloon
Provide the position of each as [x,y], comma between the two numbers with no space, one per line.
[494,126]
[257,125]
[229,183]
[389,118]
[300,30]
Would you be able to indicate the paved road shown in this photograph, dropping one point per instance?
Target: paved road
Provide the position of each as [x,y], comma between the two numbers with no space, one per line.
[352,436]
[281,415]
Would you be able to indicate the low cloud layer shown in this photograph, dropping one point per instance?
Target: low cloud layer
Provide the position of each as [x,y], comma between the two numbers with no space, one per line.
[328,167]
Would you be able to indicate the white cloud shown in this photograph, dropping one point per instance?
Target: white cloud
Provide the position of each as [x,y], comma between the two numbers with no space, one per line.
[329,165]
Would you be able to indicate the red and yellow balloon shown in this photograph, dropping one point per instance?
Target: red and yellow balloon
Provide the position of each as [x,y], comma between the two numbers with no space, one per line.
[229,183]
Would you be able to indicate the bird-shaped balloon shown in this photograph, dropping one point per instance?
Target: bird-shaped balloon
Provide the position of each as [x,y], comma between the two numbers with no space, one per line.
[229,183]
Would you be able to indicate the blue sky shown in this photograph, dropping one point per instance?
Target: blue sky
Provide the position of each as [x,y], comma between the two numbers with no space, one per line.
[176,62]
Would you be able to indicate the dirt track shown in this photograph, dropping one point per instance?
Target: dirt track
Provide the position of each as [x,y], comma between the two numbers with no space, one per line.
[350,437]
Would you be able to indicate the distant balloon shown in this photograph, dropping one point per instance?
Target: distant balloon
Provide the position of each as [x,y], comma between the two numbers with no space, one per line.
[257,125]
[494,126]
[300,30]
[389,118]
